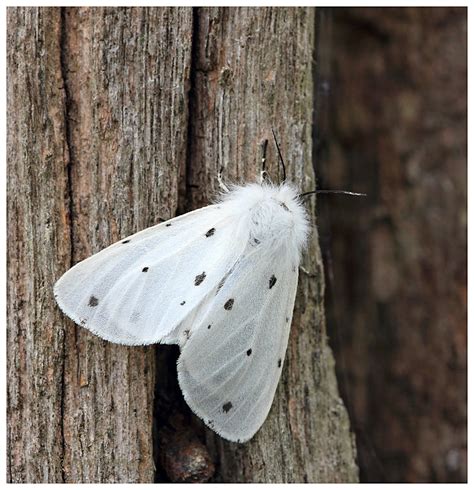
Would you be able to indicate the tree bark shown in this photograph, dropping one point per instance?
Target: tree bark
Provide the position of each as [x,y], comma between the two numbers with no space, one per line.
[38,245]
[396,129]
[119,118]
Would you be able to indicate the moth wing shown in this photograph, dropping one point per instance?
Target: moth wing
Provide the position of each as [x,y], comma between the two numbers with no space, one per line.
[139,289]
[230,366]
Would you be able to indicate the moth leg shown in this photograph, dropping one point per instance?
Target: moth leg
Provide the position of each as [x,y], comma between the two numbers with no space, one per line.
[305,271]
[221,182]
[263,176]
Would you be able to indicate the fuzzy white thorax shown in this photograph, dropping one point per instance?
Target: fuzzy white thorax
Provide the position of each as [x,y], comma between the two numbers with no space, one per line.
[271,215]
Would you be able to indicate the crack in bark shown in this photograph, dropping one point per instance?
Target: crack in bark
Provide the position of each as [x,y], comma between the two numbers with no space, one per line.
[188,197]
[68,141]
[68,130]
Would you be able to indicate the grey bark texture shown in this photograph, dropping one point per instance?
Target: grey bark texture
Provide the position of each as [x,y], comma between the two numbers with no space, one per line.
[117,118]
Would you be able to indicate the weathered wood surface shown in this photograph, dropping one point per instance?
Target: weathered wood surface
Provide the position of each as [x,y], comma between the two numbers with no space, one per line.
[118,118]
[397,130]
[38,245]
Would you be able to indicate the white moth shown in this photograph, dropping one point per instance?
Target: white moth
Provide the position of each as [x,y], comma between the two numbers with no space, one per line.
[220,282]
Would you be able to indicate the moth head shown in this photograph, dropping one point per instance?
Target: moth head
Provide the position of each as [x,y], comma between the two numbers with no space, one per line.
[274,216]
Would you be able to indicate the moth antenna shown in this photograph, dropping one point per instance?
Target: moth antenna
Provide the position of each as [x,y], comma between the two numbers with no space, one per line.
[263,173]
[264,154]
[280,156]
[325,191]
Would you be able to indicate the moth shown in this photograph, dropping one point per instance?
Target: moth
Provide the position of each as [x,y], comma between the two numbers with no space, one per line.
[220,282]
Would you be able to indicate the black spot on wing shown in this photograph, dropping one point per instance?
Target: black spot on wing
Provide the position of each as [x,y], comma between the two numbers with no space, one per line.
[145,269]
[249,352]
[182,303]
[279,362]
[210,232]
[199,278]
[226,407]
[93,301]
[209,327]
[229,304]
[168,224]
[126,241]
[272,282]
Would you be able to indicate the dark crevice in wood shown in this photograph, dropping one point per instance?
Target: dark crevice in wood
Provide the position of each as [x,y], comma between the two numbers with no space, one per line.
[67,118]
[10,455]
[184,204]
[68,141]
